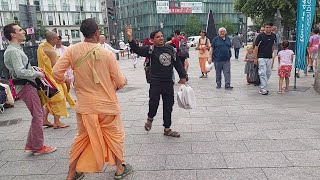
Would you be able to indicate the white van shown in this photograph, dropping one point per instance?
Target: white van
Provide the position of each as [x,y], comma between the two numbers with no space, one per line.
[192,40]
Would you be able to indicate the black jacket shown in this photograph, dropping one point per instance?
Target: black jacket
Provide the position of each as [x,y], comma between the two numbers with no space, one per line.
[163,59]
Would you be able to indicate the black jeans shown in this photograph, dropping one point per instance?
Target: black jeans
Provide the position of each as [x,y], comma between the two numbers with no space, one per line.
[165,89]
[236,53]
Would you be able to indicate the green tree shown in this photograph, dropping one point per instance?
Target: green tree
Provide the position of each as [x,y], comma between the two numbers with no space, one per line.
[231,29]
[193,26]
[40,33]
[265,10]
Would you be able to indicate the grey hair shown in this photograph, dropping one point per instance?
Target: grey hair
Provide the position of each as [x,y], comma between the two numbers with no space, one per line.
[222,29]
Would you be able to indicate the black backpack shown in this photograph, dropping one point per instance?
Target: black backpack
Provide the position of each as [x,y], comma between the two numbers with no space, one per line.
[254,75]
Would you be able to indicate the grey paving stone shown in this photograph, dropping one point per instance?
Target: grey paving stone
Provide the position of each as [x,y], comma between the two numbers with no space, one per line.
[42,177]
[276,145]
[256,159]
[60,167]
[6,177]
[192,121]
[312,143]
[165,148]
[104,176]
[6,145]
[247,112]
[59,143]
[165,175]
[207,114]
[26,167]
[218,146]
[231,174]
[2,163]
[195,161]
[140,163]
[132,149]
[293,173]
[259,126]
[303,158]
[292,134]
[213,127]
[306,124]
[241,135]
[16,155]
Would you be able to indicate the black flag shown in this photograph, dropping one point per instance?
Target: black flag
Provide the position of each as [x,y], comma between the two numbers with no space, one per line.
[211,28]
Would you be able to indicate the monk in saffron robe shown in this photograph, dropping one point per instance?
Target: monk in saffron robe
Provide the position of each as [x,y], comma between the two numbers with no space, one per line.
[100,137]
[47,58]
[203,46]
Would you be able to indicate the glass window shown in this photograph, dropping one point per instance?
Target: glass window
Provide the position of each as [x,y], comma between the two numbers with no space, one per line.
[50,19]
[60,32]
[66,33]
[75,33]
[76,18]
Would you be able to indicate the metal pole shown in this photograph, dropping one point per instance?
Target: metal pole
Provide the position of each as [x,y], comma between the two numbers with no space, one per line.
[33,36]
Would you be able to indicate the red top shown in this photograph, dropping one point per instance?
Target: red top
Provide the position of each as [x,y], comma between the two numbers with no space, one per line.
[176,42]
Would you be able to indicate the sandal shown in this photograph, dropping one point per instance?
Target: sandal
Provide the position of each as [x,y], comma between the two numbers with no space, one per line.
[62,125]
[171,133]
[127,170]
[148,124]
[78,176]
[279,92]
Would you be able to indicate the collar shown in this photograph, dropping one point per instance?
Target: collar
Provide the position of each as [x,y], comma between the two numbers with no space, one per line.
[16,46]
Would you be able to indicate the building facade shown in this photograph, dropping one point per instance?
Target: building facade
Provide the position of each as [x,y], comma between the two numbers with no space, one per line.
[149,15]
[64,16]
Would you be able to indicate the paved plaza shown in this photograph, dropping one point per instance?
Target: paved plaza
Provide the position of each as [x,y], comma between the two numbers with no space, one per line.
[234,135]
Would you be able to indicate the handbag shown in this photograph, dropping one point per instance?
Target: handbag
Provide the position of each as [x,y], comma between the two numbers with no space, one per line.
[147,65]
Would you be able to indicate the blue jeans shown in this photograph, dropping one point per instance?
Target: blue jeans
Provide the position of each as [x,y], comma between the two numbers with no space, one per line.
[265,65]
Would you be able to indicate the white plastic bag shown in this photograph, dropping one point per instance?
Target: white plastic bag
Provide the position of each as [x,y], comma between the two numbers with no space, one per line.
[186,98]
[209,66]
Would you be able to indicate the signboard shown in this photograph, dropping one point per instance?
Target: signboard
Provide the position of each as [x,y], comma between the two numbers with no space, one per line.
[30,31]
[174,7]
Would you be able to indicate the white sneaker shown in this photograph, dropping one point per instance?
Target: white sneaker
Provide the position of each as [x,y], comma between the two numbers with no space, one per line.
[263,92]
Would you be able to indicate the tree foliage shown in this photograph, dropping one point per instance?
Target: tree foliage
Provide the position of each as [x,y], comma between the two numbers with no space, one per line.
[193,26]
[39,33]
[265,10]
[231,28]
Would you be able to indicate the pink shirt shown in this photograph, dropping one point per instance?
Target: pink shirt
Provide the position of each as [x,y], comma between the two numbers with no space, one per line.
[285,57]
[314,41]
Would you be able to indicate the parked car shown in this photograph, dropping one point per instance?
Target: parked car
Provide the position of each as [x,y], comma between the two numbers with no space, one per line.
[192,40]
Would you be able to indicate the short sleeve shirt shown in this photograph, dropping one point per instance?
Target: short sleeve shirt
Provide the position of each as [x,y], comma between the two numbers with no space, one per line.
[285,57]
[265,44]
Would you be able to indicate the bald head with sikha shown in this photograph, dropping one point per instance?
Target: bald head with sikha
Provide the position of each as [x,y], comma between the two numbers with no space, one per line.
[52,37]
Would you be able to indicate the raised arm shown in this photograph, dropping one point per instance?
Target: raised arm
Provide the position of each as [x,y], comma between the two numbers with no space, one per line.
[141,51]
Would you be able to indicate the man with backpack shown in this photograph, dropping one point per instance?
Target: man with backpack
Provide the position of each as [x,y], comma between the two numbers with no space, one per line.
[162,60]
[182,48]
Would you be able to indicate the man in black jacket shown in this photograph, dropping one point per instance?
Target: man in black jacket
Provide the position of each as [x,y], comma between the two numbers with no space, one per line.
[162,60]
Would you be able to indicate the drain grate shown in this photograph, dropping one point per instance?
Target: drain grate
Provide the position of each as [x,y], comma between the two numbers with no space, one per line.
[10,122]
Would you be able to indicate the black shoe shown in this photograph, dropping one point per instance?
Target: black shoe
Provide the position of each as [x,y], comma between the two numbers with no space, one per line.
[297,75]
[201,76]
[229,88]
[218,87]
